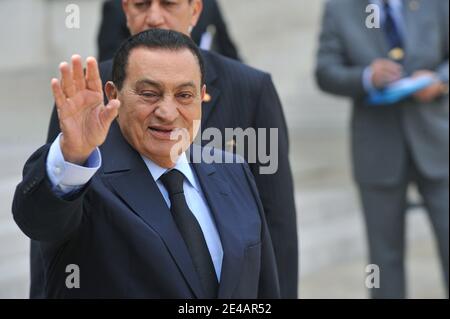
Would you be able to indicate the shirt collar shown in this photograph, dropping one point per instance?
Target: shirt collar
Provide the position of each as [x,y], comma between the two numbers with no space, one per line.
[395,4]
[181,165]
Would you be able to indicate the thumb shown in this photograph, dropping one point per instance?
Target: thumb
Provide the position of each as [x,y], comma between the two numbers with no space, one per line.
[110,112]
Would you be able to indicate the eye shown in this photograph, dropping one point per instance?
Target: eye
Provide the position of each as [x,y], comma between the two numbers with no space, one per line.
[149,95]
[185,97]
[169,3]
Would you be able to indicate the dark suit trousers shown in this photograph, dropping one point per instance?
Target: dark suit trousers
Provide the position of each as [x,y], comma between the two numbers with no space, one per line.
[385,215]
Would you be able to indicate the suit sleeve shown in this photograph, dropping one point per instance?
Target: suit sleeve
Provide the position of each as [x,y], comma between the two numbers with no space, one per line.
[38,211]
[333,74]
[269,287]
[443,72]
[277,190]
[444,67]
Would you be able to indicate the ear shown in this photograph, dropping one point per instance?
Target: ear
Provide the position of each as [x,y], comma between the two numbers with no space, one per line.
[203,93]
[111,91]
[197,7]
[125,4]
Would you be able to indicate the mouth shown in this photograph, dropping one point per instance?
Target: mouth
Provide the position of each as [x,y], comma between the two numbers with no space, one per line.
[162,132]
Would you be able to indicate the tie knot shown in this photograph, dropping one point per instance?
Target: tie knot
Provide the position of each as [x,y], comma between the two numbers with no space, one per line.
[173,182]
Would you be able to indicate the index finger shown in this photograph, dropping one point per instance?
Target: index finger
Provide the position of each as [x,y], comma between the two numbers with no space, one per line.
[93,79]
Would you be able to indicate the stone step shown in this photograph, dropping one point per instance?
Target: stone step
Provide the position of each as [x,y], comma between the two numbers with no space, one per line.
[332,231]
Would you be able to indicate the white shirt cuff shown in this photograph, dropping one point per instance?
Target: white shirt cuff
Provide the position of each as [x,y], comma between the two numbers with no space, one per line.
[367,80]
[66,177]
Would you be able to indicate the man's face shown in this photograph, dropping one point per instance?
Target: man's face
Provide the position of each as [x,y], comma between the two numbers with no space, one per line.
[177,15]
[160,98]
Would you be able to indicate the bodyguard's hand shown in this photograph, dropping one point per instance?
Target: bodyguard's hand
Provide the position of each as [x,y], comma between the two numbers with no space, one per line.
[431,92]
[83,117]
[385,71]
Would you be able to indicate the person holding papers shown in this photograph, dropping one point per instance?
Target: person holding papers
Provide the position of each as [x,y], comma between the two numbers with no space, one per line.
[397,76]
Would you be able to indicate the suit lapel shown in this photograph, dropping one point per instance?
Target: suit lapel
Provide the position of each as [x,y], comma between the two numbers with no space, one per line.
[126,172]
[413,17]
[224,210]
[211,88]
[411,10]
[374,35]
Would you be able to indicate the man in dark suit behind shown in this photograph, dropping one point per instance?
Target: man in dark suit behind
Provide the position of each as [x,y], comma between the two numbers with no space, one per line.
[114,30]
[237,97]
[135,217]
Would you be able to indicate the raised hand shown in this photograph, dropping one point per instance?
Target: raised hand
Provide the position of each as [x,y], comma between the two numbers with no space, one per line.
[83,117]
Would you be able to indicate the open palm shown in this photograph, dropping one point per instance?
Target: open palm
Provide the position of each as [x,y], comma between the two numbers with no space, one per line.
[83,117]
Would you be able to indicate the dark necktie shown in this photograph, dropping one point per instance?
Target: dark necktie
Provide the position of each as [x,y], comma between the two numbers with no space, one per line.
[393,35]
[191,232]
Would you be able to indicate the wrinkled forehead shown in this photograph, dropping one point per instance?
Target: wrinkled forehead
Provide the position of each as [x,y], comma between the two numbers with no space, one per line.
[165,66]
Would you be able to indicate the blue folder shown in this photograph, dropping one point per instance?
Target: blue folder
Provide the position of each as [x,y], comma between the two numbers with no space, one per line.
[399,90]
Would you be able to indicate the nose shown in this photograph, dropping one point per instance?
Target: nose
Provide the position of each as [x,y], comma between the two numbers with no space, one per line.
[154,17]
[166,111]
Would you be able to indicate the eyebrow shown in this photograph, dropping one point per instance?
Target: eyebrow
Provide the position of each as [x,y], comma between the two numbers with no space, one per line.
[161,86]
[149,82]
[187,84]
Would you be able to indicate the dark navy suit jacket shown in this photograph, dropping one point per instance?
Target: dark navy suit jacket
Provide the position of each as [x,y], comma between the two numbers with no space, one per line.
[119,231]
[242,97]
